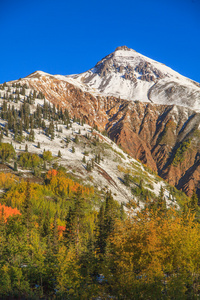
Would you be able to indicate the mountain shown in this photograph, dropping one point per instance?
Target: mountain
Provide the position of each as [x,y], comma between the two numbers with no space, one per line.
[81,191]
[145,107]
[132,76]
[129,75]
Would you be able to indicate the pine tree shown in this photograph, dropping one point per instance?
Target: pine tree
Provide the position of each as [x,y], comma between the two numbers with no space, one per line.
[122,212]
[76,139]
[105,222]
[6,129]
[46,227]
[100,229]
[68,190]
[98,158]
[59,154]
[161,203]
[73,221]
[92,163]
[15,167]
[27,206]
[193,204]
[32,136]
[45,166]
[55,232]
[69,227]
[110,214]
[88,167]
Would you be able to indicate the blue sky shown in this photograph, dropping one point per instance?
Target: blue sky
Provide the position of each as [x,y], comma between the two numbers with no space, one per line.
[68,37]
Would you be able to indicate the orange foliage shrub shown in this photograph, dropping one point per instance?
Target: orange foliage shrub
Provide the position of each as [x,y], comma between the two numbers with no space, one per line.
[61,229]
[51,173]
[7,211]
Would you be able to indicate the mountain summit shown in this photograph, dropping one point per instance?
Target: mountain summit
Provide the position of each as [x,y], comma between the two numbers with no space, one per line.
[130,75]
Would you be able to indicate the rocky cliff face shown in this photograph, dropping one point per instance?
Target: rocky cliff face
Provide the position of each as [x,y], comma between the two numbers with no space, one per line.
[164,137]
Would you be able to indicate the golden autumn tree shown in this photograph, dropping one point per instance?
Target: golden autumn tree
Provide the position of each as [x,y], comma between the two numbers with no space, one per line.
[155,256]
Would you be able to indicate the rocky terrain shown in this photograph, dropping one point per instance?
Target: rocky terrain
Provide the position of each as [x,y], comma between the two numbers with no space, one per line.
[145,107]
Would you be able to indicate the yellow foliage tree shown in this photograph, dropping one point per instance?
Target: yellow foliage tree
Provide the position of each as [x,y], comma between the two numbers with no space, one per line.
[156,255]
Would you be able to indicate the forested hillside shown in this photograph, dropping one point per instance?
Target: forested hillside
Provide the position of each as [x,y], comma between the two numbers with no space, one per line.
[64,240]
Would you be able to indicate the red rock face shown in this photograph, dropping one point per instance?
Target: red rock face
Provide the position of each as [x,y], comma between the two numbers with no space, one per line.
[164,137]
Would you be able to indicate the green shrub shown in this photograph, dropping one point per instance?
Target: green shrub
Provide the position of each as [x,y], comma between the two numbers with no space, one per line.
[179,155]
[6,152]
[28,160]
[47,155]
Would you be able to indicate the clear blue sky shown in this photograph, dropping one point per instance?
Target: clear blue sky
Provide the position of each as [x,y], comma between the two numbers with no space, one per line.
[68,37]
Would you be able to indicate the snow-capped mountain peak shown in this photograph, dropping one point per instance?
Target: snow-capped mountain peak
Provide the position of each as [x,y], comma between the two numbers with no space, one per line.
[130,75]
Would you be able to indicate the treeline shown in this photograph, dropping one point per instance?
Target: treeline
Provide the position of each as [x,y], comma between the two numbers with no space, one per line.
[22,118]
[19,120]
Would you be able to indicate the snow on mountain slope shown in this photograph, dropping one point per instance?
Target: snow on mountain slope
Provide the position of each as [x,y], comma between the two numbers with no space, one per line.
[132,76]
[73,144]
[129,75]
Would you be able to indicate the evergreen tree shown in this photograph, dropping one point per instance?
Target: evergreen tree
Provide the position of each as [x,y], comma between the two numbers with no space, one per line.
[76,139]
[106,221]
[161,203]
[100,229]
[193,204]
[46,226]
[6,129]
[44,165]
[88,167]
[55,232]
[110,214]
[92,163]
[59,154]
[15,167]
[69,228]
[122,212]
[73,221]
[32,136]
[127,179]
[27,206]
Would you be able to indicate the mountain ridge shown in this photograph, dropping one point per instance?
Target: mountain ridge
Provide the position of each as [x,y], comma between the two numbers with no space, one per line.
[132,76]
